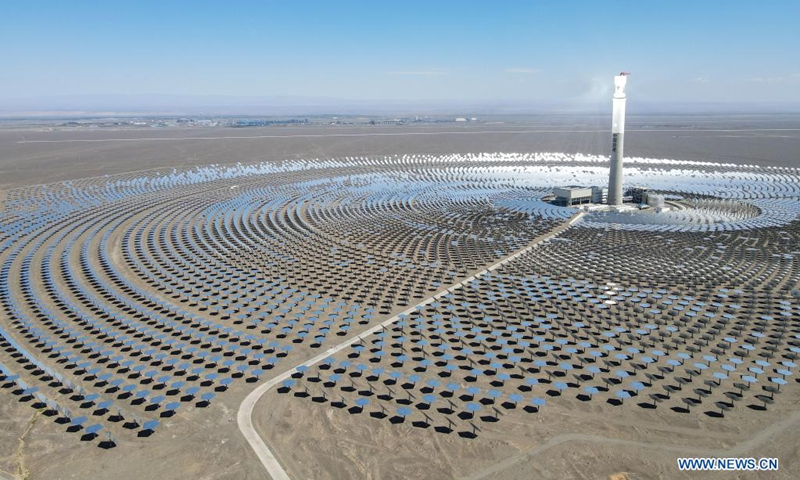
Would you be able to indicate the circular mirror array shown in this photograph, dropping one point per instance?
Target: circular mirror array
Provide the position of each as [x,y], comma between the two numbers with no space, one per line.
[134,298]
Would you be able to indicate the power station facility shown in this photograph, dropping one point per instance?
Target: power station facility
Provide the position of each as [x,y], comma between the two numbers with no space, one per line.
[613,196]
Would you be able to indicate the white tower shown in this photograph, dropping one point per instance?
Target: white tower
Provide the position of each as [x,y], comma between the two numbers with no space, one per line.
[617,140]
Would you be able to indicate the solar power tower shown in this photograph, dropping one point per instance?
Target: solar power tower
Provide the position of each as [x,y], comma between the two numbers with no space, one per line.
[617,139]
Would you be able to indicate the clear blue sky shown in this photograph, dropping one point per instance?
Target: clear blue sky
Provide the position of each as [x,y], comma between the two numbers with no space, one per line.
[404,50]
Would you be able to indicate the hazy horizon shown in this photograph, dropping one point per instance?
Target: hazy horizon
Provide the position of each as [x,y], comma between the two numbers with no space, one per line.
[231,105]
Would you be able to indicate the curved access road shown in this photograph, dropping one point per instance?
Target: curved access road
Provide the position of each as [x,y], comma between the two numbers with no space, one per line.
[245,414]
[276,471]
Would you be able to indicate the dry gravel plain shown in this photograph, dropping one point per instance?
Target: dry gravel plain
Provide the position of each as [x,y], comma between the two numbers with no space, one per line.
[569,438]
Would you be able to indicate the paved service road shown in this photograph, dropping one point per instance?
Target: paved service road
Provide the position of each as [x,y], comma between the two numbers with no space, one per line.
[245,415]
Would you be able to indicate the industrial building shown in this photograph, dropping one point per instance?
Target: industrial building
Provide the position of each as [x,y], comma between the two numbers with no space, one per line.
[577,195]
[572,195]
[638,194]
[599,195]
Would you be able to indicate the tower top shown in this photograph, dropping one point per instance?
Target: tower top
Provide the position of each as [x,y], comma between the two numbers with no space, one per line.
[619,85]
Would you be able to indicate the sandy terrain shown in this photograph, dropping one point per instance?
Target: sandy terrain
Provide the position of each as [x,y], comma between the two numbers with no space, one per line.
[318,441]
[73,154]
[219,255]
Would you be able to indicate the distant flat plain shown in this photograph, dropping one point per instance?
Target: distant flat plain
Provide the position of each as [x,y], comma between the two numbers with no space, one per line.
[31,155]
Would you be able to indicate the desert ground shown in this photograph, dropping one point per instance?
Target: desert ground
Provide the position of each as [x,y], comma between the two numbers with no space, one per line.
[33,155]
[154,266]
